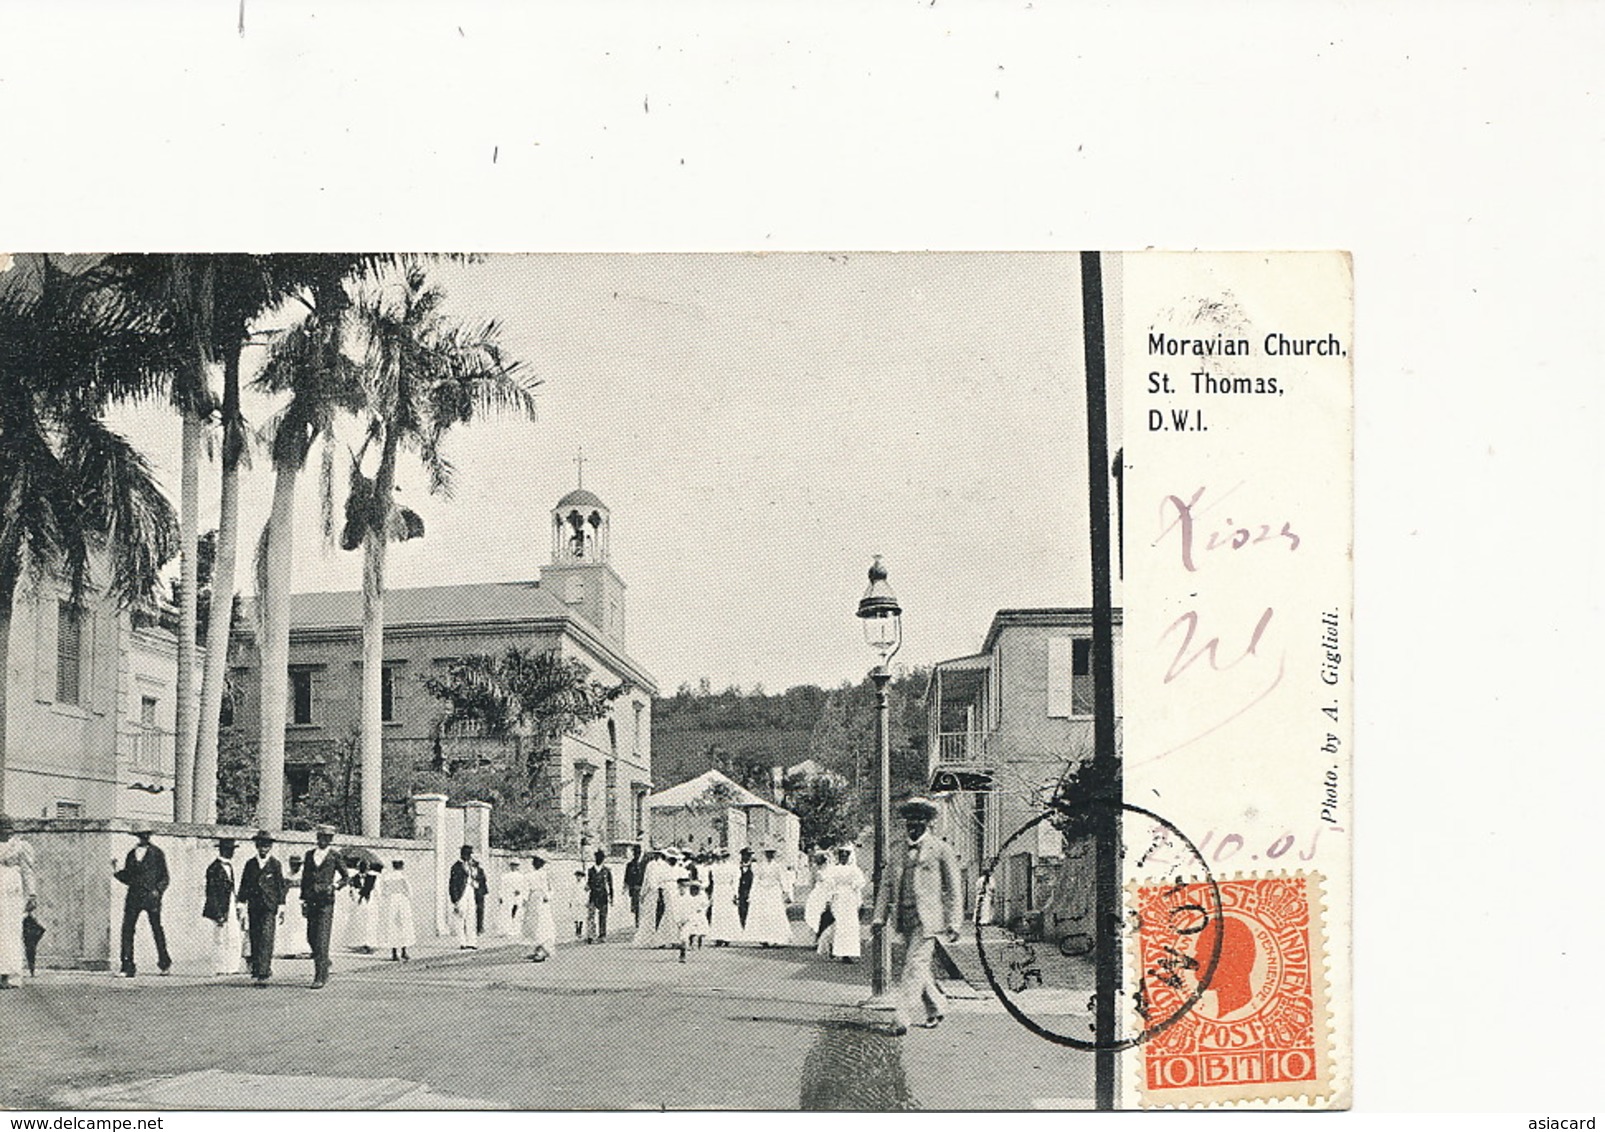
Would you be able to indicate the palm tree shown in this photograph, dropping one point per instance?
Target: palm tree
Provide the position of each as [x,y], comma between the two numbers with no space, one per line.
[422,375]
[307,362]
[74,494]
[211,301]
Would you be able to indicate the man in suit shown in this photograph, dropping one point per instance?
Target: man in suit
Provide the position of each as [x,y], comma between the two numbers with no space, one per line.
[634,875]
[220,912]
[481,891]
[599,897]
[463,886]
[262,890]
[323,874]
[744,887]
[144,871]
[921,896]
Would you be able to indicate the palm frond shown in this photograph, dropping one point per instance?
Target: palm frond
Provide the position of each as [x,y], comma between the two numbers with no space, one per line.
[119,500]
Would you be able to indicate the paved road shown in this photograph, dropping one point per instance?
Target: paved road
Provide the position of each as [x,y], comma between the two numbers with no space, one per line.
[605,1026]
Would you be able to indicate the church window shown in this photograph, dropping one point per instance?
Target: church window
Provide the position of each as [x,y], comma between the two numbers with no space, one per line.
[584,773]
[69,654]
[387,694]
[301,696]
[576,591]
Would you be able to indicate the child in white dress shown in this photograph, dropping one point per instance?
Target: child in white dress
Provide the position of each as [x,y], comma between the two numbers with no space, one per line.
[694,910]
[393,897]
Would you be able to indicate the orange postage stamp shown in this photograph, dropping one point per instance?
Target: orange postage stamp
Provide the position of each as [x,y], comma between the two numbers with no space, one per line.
[1258,1029]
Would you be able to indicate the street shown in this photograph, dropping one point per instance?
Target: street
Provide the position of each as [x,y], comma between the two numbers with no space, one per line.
[598,1027]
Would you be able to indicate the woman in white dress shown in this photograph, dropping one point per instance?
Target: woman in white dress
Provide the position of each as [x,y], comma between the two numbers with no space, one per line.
[291,939]
[660,889]
[537,916]
[513,897]
[818,899]
[392,899]
[767,923]
[18,897]
[361,929]
[724,923]
[843,882]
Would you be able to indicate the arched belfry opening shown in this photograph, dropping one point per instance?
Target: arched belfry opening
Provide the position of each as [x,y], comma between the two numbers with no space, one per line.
[579,529]
[581,574]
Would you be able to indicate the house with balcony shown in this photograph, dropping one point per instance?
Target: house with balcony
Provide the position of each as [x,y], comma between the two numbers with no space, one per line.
[1004,726]
[90,708]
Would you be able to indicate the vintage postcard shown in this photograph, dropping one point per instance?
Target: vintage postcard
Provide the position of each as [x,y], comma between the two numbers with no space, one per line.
[828,681]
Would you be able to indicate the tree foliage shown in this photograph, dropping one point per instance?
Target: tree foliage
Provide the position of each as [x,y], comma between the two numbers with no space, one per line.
[524,691]
[824,808]
[506,715]
[71,488]
[746,734]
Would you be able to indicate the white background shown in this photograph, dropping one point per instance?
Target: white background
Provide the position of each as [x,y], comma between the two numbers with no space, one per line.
[1456,149]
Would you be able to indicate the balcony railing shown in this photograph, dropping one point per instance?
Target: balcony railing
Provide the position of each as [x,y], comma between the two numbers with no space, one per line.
[152,749]
[960,748]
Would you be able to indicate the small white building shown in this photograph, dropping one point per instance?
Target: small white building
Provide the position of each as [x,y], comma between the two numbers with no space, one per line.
[713,811]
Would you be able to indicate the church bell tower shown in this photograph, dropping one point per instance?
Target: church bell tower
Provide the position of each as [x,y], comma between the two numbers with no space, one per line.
[580,574]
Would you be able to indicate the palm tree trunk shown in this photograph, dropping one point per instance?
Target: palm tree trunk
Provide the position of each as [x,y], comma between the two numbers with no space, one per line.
[5,682]
[373,659]
[275,650]
[374,544]
[189,494]
[221,616]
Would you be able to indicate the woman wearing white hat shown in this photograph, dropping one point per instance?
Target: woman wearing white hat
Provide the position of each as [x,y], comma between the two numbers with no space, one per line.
[767,922]
[843,884]
[538,920]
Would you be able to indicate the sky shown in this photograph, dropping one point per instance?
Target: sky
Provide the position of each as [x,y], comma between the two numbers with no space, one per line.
[759,426]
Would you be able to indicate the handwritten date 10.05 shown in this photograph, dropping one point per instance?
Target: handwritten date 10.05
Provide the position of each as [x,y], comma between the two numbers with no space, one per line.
[1234,846]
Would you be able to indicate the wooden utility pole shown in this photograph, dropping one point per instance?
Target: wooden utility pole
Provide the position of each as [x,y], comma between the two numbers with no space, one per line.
[1107,774]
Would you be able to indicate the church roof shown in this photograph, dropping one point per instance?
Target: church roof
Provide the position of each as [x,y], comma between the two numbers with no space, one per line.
[476,601]
[687,792]
[493,604]
[579,497]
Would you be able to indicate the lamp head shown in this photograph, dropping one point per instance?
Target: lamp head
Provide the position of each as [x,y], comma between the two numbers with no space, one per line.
[881,615]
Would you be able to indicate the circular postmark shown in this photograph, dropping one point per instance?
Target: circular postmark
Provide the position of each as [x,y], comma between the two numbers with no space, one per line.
[1042,942]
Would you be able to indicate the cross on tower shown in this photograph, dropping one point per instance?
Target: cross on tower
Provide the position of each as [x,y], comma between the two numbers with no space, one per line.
[579,463]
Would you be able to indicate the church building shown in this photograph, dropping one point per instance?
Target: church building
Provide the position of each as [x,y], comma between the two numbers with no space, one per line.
[602,775]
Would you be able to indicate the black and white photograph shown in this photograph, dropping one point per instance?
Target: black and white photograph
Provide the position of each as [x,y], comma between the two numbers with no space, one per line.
[913,558]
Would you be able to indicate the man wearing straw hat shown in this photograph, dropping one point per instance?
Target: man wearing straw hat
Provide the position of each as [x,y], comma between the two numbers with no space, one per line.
[144,871]
[922,900]
[262,890]
[323,874]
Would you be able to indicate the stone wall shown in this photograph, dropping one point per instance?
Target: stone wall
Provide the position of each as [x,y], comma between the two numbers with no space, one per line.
[81,903]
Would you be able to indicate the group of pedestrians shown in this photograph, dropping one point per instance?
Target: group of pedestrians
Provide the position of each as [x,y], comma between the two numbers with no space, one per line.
[245,906]
[256,902]
[678,900]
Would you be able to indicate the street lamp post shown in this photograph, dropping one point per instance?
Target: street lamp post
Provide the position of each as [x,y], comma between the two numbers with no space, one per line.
[883,631]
